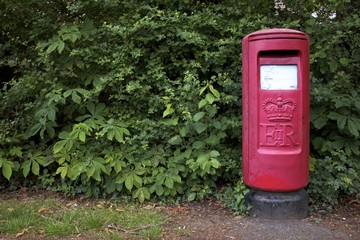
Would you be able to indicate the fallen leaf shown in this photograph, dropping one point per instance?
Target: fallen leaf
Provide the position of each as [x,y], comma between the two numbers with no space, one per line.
[100,206]
[44,210]
[24,189]
[20,234]
[71,204]
[149,207]
[109,230]
[355,201]
[237,218]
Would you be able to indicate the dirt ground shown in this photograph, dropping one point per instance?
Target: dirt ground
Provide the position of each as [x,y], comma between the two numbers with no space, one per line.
[209,220]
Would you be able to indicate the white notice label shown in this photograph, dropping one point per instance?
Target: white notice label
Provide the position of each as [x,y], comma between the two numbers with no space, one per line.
[279,77]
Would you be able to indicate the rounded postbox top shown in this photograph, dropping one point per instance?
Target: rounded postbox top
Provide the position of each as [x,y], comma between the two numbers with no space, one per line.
[276,33]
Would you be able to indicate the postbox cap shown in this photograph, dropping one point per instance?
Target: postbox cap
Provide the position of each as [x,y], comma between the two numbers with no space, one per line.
[277,33]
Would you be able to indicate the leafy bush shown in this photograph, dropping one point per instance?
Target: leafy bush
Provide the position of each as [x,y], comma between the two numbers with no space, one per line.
[143,98]
[335,174]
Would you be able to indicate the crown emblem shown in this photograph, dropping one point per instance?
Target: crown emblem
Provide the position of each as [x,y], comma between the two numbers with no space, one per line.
[279,110]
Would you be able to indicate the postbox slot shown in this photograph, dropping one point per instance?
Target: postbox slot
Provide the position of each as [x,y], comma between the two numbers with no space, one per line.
[279,53]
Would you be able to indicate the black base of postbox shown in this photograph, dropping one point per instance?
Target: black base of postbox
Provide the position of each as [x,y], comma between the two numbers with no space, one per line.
[276,205]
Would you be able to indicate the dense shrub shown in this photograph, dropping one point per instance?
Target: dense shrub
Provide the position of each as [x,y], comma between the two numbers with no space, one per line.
[143,98]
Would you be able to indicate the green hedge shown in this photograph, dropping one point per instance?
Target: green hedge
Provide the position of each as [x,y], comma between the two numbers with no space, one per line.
[143,98]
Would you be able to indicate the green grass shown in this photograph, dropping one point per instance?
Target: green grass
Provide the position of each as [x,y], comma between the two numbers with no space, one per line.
[53,218]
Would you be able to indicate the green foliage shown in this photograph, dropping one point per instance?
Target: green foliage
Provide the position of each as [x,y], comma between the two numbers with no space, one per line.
[335,112]
[143,98]
[234,198]
[334,174]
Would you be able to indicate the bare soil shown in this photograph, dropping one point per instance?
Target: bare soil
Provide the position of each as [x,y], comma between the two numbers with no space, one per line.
[209,220]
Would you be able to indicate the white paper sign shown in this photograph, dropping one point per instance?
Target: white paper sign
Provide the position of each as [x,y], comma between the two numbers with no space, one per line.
[279,77]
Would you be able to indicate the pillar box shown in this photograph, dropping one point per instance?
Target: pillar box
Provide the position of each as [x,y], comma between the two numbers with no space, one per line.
[275,91]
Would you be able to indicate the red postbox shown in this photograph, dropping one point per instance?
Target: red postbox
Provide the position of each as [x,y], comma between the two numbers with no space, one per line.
[275,91]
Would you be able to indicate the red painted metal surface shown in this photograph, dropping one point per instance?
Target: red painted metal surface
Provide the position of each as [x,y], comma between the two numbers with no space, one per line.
[275,120]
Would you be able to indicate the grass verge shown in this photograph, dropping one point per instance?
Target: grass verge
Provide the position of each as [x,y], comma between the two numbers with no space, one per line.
[54,218]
